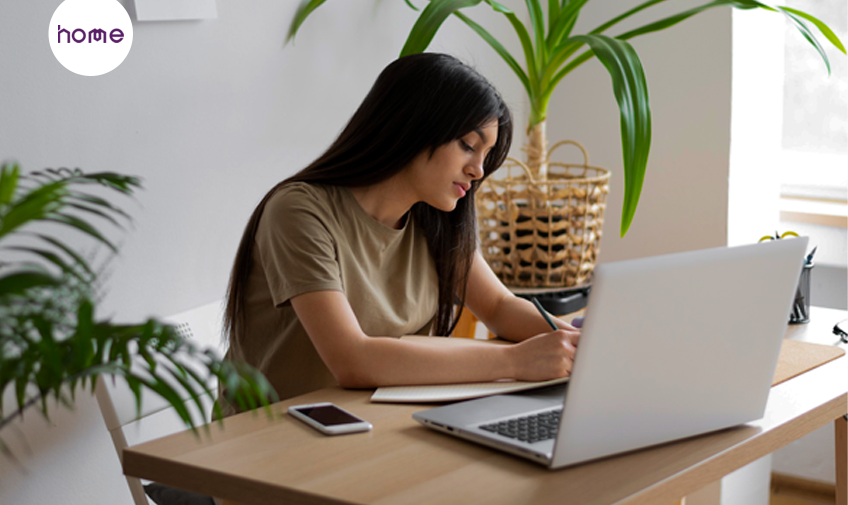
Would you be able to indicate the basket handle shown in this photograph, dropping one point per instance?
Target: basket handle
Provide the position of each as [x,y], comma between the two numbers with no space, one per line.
[524,167]
[572,142]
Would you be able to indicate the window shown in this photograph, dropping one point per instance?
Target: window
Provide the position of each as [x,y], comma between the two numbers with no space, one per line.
[814,140]
[789,131]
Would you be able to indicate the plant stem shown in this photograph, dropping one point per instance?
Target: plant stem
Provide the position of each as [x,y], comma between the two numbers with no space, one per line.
[537,151]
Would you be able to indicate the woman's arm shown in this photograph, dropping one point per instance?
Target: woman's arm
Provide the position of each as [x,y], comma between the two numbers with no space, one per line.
[360,361]
[503,313]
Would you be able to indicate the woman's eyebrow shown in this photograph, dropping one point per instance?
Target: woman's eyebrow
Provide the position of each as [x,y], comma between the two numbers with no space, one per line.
[478,131]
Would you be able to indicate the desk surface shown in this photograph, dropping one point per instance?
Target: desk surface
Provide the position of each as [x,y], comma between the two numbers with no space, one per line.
[258,461]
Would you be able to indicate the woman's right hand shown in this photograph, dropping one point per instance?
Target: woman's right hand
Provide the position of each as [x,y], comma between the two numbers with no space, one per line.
[545,356]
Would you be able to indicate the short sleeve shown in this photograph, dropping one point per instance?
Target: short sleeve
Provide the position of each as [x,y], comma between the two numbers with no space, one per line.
[295,246]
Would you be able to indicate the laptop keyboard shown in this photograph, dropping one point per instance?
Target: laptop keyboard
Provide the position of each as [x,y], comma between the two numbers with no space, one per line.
[534,428]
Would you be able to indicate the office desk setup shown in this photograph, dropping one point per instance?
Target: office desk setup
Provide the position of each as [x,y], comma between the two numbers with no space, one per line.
[255,460]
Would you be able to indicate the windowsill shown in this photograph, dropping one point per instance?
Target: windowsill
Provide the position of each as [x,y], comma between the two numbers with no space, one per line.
[825,212]
[824,220]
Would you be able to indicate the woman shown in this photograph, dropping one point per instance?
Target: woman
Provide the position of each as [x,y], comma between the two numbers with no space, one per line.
[377,238]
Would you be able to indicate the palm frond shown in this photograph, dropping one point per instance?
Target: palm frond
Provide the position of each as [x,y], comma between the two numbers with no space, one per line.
[50,340]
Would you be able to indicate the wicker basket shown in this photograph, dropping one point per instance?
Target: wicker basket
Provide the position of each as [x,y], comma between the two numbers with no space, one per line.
[543,233]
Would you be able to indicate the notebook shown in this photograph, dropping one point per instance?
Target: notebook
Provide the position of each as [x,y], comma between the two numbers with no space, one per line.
[454,392]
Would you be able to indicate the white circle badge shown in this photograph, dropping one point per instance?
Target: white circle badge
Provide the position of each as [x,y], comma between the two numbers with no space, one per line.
[90,37]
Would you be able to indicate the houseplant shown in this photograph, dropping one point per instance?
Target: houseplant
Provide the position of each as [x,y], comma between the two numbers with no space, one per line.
[50,338]
[551,52]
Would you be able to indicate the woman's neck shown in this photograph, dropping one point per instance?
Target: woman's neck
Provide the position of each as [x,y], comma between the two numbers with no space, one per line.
[387,201]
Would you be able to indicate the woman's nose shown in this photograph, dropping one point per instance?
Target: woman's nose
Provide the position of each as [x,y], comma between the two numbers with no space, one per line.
[476,167]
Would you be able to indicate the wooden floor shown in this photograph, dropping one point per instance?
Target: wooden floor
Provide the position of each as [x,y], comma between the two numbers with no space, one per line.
[792,499]
[788,490]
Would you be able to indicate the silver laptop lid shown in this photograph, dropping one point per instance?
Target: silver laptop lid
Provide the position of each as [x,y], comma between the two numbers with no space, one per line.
[677,345]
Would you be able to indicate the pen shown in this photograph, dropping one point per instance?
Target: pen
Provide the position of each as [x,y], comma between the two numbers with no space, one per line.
[803,308]
[810,256]
[544,314]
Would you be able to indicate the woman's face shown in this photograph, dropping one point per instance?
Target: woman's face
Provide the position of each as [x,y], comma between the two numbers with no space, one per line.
[442,180]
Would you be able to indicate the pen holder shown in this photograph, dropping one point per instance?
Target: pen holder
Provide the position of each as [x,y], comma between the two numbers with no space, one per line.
[801,306]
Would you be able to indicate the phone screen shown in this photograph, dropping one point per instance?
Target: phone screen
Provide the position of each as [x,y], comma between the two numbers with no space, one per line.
[329,415]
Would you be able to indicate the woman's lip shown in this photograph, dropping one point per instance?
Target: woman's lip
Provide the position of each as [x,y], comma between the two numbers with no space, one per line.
[460,188]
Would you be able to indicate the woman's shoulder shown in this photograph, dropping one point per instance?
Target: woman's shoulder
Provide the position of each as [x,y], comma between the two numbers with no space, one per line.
[297,208]
[298,195]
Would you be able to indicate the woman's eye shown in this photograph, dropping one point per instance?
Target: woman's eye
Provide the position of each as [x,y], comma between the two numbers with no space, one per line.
[466,146]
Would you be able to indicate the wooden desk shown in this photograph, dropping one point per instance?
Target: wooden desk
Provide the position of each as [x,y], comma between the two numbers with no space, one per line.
[258,461]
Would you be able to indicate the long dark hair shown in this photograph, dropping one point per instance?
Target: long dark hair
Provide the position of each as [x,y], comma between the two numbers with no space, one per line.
[419,102]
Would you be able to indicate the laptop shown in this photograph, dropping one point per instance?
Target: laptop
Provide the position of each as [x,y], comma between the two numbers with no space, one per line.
[672,346]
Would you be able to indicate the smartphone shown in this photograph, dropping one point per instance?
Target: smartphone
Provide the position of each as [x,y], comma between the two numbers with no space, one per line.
[329,419]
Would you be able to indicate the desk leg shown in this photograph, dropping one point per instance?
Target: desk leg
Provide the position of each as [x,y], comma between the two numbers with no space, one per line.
[841,425]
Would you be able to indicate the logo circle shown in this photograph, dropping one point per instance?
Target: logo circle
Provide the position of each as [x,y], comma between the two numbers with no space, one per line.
[90,37]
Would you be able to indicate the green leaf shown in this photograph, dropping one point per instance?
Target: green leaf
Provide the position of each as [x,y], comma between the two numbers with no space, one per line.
[411,6]
[86,198]
[8,182]
[553,14]
[82,226]
[51,257]
[624,16]
[826,31]
[135,387]
[805,31]
[631,93]
[429,22]
[526,45]
[670,21]
[33,206]
[303,11]
[17,283]
[70,252]
[567,18]
[112,180]
[537,22]
[92,210]
[82,346]
[499,48]
[54,174]
[190,373]
[793,16]
[21,382]
[235,393]
[163,389]
[557,57]
[178,372]
[85,321]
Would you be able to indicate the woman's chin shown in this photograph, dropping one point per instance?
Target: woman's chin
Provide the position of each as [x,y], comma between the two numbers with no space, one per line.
[449,206]
[445,205]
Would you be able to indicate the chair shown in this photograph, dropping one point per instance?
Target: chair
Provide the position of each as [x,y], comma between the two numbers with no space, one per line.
[157,418]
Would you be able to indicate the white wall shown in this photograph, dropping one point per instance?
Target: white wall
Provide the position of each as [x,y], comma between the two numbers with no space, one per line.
[212,113]
[684,197]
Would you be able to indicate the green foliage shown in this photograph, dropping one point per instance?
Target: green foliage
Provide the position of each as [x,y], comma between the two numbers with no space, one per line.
[551,55]
[50,340]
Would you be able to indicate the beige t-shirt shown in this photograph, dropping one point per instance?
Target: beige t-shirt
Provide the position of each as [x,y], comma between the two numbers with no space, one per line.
[314,237]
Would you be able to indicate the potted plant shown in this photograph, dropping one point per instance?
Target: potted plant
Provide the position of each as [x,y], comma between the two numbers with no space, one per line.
[50,338]
[551,52]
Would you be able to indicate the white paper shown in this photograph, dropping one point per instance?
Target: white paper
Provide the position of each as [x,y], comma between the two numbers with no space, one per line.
[454,392]
[169,10]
